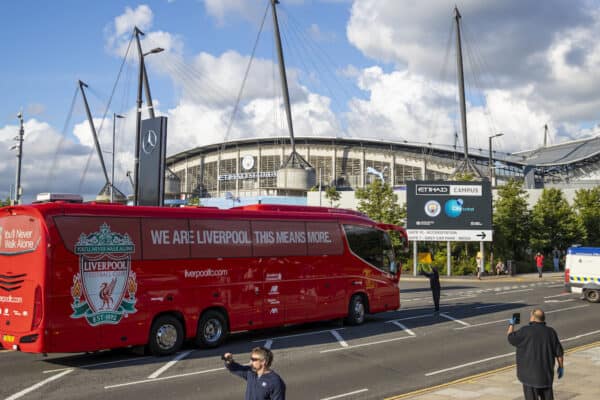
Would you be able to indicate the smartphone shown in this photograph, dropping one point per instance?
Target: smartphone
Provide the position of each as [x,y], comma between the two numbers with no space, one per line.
[517,318]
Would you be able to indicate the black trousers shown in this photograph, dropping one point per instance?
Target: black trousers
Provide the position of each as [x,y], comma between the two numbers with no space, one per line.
[532,393]
[436,298]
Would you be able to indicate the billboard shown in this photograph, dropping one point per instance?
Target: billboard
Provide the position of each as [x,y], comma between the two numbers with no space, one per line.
[151,170]
[449,211]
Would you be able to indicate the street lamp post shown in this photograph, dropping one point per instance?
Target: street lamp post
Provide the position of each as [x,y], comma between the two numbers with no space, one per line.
[112,175]
[143,77]
[19,148]
[490,161]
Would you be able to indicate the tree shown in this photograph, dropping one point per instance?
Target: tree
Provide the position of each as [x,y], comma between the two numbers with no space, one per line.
[379,202]
[332,194]
[194,201]
[463,176]
[511,220]
[587,204]
[554,223]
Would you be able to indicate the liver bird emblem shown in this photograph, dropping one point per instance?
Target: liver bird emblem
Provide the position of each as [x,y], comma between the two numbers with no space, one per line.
[106,290]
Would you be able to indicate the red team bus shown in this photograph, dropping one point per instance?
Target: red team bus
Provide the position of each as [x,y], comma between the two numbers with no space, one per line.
[85,277]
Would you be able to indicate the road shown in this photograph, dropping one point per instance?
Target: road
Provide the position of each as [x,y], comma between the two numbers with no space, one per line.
[392,353]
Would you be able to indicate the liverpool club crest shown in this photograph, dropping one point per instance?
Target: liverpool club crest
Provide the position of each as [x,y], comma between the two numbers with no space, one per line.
[104,289]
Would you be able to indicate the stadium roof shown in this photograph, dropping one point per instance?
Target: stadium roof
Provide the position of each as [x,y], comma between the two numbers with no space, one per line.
[562,154]
[556,155]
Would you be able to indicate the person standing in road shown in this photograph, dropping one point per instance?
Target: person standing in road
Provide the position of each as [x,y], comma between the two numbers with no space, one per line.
[537,349]
[556,259]
[434,283]
[539,263]
[262,382]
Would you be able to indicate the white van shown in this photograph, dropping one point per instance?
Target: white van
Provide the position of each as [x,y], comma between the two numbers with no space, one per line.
[582,272]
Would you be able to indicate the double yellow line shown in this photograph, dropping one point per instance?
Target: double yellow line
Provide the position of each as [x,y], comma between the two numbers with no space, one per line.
[477,376]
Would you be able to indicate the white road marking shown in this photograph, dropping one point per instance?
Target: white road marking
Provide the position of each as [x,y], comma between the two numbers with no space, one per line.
[299,334]
[168,365]
[502,355]
[513,291]
[458,298]
[339,396]
[269,343]
[441,371]
[553,286]
[566,309]
[454,319]
[38,385]
[558,301]
[498,305]
[482,324]
[403,327]
[96,364]
[164,378]
[339,338]
[557,295]
[367,344]
[580,336]
[506,319]
[413,317]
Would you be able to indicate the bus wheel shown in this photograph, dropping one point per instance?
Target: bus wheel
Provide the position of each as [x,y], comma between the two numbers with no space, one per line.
[592,295]
[166,336]
[212,329]
[356,310]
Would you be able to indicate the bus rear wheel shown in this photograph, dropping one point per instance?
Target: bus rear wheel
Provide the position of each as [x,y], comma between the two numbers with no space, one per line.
[212,329]
[592,295]
[356,310]
[166,336]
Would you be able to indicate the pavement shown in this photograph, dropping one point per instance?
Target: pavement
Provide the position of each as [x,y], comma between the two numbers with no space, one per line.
[580,381]
[533,277]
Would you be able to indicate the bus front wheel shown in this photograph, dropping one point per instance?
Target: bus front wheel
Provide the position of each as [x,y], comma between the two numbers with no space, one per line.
[212,329]
[166,336]
[356,310]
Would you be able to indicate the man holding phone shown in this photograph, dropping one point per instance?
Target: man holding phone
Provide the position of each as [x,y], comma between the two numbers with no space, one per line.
[262,382]
[537,348]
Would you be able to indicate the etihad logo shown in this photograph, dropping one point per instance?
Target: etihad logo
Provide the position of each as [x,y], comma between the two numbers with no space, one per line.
[433,189]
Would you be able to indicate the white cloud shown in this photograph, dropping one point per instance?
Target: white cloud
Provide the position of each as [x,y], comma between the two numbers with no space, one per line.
[120,30]
[318,35]
[51,162]
[543,58]
[401,106]
[222,9]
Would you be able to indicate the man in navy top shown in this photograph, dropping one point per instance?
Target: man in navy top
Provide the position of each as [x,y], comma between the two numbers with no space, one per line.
[262,382]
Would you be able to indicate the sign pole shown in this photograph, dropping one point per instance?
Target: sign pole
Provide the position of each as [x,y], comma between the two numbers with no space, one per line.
[482,262]
[414,258]
[448,259]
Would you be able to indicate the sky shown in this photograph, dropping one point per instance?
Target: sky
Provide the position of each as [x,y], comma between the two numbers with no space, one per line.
[373,69]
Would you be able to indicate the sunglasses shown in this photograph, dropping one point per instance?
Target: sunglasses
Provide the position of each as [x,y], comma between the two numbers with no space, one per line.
[255,359]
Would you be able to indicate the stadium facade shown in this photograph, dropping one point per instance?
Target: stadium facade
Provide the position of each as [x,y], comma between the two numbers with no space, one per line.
[245,171]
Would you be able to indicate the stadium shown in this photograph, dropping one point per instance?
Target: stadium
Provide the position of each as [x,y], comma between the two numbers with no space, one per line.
[245,171]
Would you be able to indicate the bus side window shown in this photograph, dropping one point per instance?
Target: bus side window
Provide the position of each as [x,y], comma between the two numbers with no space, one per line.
[372,245]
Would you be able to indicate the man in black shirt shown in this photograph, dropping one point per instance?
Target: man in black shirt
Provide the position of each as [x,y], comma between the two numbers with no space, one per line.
[434,283]
[263,383]
[537,348]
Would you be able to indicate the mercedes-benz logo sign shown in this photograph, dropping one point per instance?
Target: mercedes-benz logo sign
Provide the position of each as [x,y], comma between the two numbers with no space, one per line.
[149,141]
